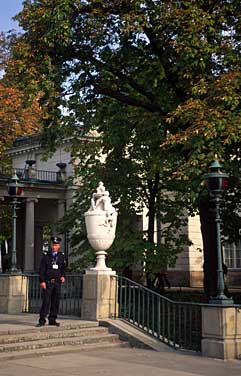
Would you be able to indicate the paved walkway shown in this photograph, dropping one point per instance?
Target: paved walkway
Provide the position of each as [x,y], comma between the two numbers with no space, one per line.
[119,362]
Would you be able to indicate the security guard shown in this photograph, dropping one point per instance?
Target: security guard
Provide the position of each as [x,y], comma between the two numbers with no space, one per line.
[51,276]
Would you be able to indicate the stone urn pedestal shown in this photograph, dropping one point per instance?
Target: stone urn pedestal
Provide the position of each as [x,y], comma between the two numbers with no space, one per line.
[61,175]
[31,171]
[100,282]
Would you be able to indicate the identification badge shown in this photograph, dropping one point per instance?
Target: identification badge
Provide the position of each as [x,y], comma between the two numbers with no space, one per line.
[55,266]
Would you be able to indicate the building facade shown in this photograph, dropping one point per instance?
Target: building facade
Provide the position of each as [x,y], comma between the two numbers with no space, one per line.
[45,199]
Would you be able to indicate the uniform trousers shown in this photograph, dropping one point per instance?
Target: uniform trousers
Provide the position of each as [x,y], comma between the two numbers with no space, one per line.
[50,303]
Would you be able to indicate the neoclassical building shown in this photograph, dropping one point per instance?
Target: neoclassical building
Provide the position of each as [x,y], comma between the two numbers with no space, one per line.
[47,197]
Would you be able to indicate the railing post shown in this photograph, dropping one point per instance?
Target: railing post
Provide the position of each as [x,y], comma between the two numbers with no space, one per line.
[99,295]
[221,332]
[13,293]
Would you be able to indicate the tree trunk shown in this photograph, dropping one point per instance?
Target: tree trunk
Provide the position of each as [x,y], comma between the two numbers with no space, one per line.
[153,190]
[153,186]
[208,229]
[151,218]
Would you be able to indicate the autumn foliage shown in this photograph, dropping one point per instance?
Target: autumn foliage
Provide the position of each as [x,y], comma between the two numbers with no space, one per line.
[15,119]
[17,116]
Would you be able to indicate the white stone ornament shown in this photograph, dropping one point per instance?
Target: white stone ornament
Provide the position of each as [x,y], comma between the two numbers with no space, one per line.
[100,221]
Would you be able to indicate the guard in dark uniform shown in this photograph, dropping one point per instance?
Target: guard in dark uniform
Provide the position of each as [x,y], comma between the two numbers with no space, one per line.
[51,276]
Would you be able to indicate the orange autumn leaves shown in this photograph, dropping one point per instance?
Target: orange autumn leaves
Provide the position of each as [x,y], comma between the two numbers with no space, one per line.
[16,119]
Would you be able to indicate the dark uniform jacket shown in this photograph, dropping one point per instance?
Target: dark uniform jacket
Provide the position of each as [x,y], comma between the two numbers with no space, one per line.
[47,271]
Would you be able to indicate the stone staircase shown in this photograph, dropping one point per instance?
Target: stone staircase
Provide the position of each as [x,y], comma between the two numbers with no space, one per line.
[72,337]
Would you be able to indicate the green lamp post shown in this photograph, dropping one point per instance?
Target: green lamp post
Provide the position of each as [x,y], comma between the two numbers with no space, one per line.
[15,190]
[216,183]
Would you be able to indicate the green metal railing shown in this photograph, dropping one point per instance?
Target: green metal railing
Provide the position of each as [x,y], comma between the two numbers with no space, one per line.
[70,297]
[177,324]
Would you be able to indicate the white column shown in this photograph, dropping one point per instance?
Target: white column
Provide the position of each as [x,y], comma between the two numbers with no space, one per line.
[29,235]
[61,209]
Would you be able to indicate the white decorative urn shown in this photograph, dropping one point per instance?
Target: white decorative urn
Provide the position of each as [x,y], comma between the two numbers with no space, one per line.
[100,221]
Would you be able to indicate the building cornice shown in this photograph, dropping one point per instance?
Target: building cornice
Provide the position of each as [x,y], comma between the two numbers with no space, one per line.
[28,144]
[25,149]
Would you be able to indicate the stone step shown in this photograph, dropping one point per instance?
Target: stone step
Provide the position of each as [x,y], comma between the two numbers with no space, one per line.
[54,342]
[47,328]
[60,332]
[43,352]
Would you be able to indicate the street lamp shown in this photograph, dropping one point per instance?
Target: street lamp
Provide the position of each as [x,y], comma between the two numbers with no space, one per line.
[216,183]
[15,190]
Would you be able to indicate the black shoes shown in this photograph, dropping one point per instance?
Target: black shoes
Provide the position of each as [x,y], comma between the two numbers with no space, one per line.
[51,323]
[40,324]
[54,323]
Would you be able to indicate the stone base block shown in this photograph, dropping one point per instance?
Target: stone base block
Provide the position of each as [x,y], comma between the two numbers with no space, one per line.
[99,295]
[214,348]
[221,332]
[13,290]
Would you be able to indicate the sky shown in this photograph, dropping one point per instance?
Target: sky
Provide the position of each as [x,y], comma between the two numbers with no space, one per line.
[8,9]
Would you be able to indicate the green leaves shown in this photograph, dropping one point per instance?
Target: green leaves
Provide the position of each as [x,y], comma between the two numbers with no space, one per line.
[157,81]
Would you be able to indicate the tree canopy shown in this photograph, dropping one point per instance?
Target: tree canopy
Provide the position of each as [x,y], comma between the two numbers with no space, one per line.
[158,80]
[157,68]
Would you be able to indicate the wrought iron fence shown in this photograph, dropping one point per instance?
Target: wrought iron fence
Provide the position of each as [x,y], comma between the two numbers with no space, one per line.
[7,172]
[177,324]
[70,297]
[46,176]
[35,175]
